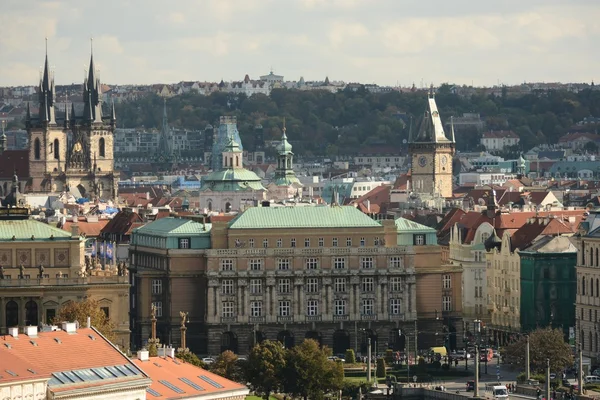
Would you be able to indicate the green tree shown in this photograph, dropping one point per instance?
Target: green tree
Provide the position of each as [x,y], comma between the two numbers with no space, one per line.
[80,311]
[190,358]
[265,366]
[545,343]
[380,372]
[227,366]
[350,357]
[591,147]
[308,372]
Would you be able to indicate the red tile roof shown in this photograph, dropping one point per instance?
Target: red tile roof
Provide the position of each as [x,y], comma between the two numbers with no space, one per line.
[377,197]
[91,229]
[177,372]
[500,135]
[122,222]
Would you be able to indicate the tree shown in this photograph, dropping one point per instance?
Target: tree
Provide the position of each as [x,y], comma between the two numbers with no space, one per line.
[227,366]
[190,358]
[545,343]
[265,367]
[350,357]
[308,372]
[380,372]
[591,147]
[80,311]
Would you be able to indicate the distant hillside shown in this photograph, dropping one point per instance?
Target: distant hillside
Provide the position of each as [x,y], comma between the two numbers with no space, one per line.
[320,122]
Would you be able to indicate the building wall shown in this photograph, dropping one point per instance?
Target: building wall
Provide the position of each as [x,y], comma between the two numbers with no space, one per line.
[432,168]
[587,305]
[24,390]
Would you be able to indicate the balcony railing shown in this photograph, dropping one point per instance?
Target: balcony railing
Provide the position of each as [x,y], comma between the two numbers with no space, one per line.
[311,318]
[297,251]
[226,320]
[368,317]
[397,316]
[90,280]
[341,317]
[256,319]
[287,318]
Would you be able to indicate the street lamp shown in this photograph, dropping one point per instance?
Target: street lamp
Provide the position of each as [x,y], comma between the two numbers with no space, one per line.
[527,369]
[477,330]
[407,354]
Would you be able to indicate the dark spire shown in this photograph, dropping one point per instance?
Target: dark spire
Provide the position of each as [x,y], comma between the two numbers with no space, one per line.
[45,83]
[73,112]
[92,69]
[44,109]
[410,131]
[28,116]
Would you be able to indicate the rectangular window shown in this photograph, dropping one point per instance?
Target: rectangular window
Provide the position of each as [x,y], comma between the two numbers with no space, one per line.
[227,286]
[284,308]
[158,306]
[226,264]
[419,240]
[447,303]
[447,282]
[293,242]
[256,308]
[334,242]
[376,241]
[255,286]
[284,286]
[366,262]
[184,243]
[367,307]
[339,285]
[227,309]
[312,285]
[367,284]
[251,243]
[395,306]
[339,263]
[363,242]
[265,243]
[283,264]
[156,286]
[321,242]
[312,263]
[50,314]
[312,307]
[106,311]
[395,262]
[306,242]
[340,307]
[255,264]
[395,284]
[348,242]
[279,242]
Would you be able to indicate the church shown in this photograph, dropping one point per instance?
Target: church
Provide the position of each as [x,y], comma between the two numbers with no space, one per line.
[431,153]
[75,153]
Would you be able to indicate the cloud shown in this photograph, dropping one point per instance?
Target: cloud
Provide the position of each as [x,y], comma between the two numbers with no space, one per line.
[381,41]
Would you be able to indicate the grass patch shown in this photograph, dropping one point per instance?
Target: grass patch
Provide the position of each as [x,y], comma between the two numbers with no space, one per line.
[358,379]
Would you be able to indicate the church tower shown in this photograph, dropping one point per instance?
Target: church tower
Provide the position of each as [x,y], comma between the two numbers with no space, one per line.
[284,174]
[431,154]
[165,157]
[47,139]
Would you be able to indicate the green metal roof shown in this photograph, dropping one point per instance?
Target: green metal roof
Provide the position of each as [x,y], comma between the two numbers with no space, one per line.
[232,179]
[23,230]
[406,225]
[173,227]
[302,217]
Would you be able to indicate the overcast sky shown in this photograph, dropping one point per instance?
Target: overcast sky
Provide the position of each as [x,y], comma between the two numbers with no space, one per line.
[370,41]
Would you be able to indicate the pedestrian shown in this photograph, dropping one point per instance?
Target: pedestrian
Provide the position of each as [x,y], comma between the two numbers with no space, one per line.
[456,362]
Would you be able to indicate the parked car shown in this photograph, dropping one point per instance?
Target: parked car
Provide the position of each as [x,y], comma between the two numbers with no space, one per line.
[495,354]
[208,360]
[336,358]
[596,372]
[592,379]
[552,376]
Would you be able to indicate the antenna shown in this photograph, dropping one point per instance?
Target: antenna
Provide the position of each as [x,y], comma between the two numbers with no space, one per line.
[92,45]
[46,46]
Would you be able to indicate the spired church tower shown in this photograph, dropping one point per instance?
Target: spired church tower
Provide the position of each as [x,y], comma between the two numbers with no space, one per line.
[77,155]
[431,154]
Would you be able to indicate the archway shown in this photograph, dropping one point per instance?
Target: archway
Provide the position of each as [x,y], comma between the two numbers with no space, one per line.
[286,338]
[12,314]
[341,342]
[451,336]
[314,335]
[229,342]
[397,340]
[228,207]
[31,313]
[368,333]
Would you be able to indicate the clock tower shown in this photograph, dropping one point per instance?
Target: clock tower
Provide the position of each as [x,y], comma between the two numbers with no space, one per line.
[431,154]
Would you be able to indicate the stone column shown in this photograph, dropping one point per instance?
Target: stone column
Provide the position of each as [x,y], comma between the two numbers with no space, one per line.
[210,301]
[378,299]
[238,301]
[218,304]
[267,310]
[40,311]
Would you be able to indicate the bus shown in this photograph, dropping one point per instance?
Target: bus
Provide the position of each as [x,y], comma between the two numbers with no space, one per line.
[486,355]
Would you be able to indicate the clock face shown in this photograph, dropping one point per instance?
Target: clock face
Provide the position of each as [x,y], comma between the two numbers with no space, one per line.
[444,160]
[422,161]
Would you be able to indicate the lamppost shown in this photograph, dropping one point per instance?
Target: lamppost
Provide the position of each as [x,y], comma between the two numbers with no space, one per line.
[477,330]
[407,351]
[527,368]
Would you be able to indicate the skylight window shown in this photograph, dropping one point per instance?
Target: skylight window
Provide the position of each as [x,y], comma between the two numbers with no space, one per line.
[192,384]
[8,371]
[153,392]
[211,381]
[171,386]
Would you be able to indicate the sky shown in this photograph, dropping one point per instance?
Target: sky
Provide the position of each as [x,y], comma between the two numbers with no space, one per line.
[387,42]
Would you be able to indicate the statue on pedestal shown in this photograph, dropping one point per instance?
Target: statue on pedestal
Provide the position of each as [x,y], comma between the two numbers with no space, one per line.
[21,271]
[41,271]
[1,272]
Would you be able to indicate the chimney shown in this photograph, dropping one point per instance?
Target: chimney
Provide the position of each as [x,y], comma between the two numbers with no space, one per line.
[143,355]
[162,351]
[69,327]
[89,322]
[31,331]
[368,205]
[14,332]
[74,231]
[170,352]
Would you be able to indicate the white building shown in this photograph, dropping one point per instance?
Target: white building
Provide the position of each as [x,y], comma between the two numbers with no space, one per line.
[484,178]
[498,140]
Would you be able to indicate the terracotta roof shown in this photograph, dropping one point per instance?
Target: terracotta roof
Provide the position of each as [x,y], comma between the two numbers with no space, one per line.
[377,197]
[19,366]
[175,379]
[401,182]
[536,227]
[121,223]
[221,218]
[11,160]
[500,135]
[91,229]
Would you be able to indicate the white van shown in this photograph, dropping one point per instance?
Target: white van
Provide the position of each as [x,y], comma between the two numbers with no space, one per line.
[500,392]
[592,379]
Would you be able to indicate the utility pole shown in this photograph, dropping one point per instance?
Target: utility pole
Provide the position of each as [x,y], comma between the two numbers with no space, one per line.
[527,370]
[369,359]
[547,379]
[476,388]
[580,371]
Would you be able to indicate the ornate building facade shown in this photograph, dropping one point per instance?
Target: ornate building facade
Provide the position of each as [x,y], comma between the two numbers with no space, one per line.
[75,153]
[43,268]
[431,154]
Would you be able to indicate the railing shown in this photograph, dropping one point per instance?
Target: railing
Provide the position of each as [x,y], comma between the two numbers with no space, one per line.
[90,280]
[256,319]
[228,320]
[397,316]
[304,251]
[287,318]
[341,317]
[311,318]
[368,317]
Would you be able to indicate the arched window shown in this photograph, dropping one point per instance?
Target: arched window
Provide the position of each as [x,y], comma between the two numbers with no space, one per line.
[101,148]
[36,149]
[583,286]
[231,161]
[592,287]
[237,161]
[56,149]
[597,264]
[597,287]
[31,313]
[12,314]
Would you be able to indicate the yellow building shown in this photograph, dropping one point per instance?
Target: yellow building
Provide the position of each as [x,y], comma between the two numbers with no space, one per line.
[43,268]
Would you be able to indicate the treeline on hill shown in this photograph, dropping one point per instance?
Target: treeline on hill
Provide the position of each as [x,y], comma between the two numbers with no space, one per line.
[324,123]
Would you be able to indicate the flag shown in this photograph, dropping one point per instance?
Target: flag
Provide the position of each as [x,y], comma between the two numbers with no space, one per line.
[101,250]
[94,249]
[109,251]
